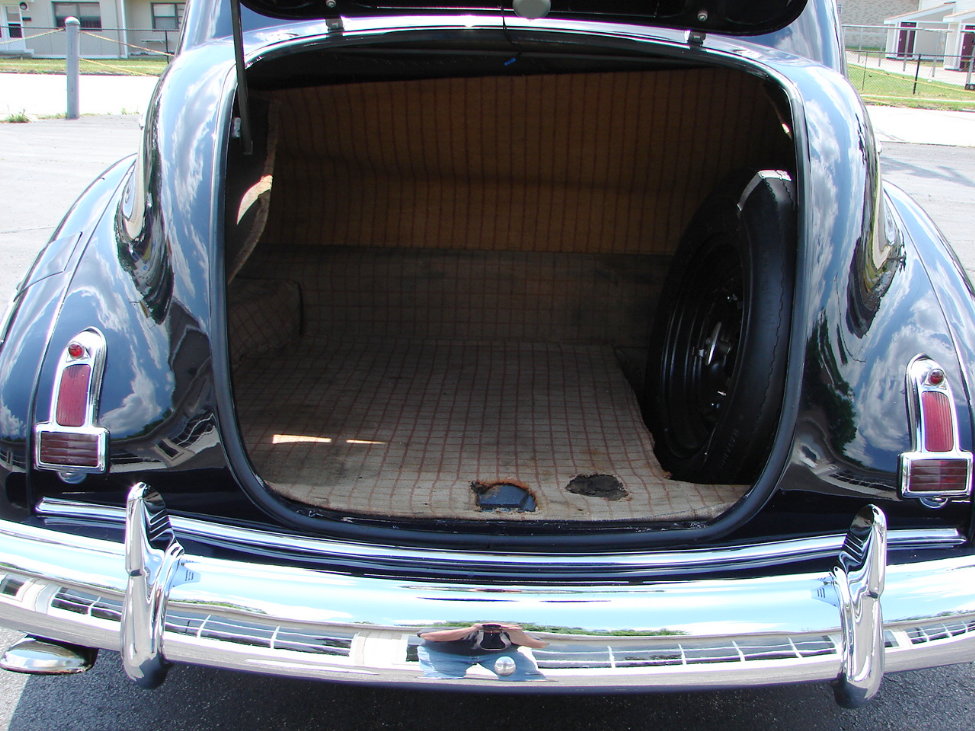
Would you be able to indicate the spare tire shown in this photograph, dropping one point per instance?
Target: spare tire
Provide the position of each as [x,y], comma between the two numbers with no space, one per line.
[716,372]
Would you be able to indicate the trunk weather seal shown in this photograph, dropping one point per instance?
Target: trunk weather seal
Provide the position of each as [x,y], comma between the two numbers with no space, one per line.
[537,535]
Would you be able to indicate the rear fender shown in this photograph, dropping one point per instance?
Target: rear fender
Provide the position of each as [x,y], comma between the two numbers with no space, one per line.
[29,325]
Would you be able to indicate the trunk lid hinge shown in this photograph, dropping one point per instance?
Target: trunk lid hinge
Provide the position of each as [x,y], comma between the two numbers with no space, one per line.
[696,37]
[333,17]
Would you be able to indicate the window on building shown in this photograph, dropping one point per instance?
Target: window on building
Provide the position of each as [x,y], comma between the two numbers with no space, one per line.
[167,16]
[10,22]
[89,14]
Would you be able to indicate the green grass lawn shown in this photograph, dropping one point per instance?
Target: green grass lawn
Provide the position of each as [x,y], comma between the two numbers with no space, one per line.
[897,90]
[875,86]
[108,66]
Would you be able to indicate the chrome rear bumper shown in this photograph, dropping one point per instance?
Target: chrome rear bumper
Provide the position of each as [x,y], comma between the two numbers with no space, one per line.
[158,604]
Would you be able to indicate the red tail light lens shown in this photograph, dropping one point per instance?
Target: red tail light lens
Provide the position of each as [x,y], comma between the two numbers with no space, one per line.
[72,396]
[76,450]
[937,420]
[939,475]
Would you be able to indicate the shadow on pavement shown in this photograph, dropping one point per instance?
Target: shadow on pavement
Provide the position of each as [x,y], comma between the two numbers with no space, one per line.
[195,697]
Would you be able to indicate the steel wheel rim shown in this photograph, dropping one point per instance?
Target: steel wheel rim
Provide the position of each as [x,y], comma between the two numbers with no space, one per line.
[703,345]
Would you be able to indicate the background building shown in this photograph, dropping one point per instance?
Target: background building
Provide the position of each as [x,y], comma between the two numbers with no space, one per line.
[110,28]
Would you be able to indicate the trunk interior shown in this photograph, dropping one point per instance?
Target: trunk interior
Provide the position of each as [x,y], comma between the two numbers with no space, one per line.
[441,290]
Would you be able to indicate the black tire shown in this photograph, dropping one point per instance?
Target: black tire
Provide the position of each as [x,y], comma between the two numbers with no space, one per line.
[717,366]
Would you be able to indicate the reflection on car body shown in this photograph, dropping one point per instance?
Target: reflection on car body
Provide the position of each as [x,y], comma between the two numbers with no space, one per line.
[464,346]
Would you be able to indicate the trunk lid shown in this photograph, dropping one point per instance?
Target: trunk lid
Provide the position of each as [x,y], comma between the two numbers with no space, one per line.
[732,17]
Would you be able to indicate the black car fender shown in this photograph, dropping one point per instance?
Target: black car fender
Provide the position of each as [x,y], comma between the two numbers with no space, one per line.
[31,319]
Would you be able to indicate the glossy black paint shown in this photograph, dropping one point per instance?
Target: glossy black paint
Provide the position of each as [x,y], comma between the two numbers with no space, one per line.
[26,334]
[146,288]
[870,306]
[815,35]
[140,257]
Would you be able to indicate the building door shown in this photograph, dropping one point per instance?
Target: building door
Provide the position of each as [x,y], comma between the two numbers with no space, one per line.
[967,47]
[905,39]
[11,30]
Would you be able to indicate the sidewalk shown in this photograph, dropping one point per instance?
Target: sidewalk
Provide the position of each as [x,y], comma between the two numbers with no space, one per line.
[923,126]
[44,95]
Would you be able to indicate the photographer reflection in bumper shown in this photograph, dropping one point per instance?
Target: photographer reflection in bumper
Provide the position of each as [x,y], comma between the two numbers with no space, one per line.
[449,653]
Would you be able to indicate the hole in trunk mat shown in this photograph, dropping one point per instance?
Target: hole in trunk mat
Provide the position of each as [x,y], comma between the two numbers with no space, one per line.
[395,428]
[603,486]
[503,496]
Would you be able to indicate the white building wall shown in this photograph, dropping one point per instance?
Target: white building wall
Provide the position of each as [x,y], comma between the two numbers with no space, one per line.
[870,13]
[95,43]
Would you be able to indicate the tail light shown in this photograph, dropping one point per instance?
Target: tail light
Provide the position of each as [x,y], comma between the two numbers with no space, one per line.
[936,469]
[70,442]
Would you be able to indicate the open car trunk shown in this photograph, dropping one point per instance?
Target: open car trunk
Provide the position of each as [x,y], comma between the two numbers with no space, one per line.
[441,291]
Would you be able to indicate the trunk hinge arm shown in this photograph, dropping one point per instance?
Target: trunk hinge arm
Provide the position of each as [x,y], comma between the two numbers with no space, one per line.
[333,17]
[696,37]
[243,110]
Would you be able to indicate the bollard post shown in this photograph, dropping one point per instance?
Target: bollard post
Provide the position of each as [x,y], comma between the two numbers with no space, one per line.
[71,64]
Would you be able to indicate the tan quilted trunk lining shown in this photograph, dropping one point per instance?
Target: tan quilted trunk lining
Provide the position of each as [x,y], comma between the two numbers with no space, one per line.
[401,428]
[404,390]
[473,265]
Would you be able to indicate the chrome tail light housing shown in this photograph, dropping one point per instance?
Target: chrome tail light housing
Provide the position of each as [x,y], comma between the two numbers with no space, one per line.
[70,442]
[936,469]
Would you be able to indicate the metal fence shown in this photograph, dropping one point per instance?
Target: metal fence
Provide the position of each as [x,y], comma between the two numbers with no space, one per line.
[97,43]
[920,52]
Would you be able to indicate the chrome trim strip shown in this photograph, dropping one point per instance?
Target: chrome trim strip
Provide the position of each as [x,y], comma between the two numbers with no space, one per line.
[918,372]
[859,576]
[340,625]
[632,564]
[93,342]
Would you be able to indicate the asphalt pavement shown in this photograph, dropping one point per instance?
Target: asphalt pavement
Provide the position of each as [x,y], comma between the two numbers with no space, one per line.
[45,164]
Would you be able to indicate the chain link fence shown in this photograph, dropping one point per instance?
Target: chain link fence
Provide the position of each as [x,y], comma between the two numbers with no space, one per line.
[96,43]
[912,66]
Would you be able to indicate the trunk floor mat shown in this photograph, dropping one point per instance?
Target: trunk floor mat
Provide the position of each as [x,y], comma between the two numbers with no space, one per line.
[405,428]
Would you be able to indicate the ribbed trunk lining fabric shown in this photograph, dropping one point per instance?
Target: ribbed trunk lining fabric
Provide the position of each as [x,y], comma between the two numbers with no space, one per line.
[473,266]
[401,428]
[594,163]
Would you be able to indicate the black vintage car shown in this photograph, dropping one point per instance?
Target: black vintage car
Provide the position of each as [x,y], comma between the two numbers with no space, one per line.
[465,345]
